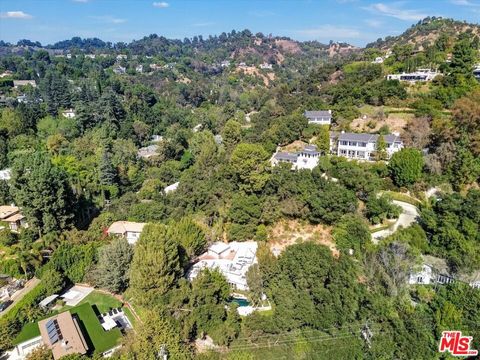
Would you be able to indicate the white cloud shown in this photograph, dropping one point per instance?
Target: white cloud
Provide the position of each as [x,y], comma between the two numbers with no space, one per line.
[330,32]
[109,19]
[464,3]
[161,4]
[396,12]
[15,15]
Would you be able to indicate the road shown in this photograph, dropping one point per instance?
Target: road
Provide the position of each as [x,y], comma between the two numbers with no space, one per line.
[408,216]
[29,285]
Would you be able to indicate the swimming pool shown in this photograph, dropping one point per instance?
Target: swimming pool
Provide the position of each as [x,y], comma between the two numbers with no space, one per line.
[240,302]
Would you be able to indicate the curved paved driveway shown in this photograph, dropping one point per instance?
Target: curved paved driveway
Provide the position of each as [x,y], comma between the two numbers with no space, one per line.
[408,216]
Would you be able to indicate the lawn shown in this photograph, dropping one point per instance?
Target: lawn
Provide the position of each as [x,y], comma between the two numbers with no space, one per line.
[97,338]
[29,331]
[103,302]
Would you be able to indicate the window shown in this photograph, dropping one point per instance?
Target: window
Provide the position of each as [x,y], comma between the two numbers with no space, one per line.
[343,142]
[420,279]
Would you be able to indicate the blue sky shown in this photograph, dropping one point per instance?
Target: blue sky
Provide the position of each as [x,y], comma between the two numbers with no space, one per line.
[354,21]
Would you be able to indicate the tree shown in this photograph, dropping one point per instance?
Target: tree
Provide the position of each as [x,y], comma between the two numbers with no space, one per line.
[380,208]
[40,353]
[52,281]
[351,232]
[249,163]
[190,236]
[112,270]
[155,265]
[380,151]
[153,333]
[231,134]
[323,139]
[406,166]
[41,189]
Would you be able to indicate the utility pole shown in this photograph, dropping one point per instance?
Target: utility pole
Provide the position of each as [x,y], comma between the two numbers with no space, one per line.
[367,334]
[163,353]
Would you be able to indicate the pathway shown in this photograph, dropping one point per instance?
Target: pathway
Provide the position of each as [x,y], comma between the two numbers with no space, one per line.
[408,216]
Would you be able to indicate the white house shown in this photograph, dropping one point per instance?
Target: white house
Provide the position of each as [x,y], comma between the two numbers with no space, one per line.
[121,57]
[128,229]
[233,260]
[378,60]
[266,66]
[320,117]
[362,146]
[19,83]
[139,68]
[69,113]
[476,72]
[307,158]
[147,151]
[434,270]
[90,56]
[5,174]
[419,75]
[225,63]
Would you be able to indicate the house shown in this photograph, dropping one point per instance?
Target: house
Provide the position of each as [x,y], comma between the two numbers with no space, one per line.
[69,113]
[5,174]
[20,83]
[128,229]
[6,73]
[119,70]
[476,72]
[320,117]
[233,260]
[90,56]
[121,57]
[197,128]
[156,138]
[147,151]
[139,68]
[419,75]
[218,139]
[242,65]
[171,188]
[11,215]
[225,63]
[155,67]
[435,270]
[362,146]
[63,335]
[307,158]
[266,66]
[378,60]
[69,56]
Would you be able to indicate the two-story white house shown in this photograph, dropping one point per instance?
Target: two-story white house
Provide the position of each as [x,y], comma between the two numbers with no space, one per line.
[128,229]
[362,146]
[307,158]
[476,72]
[320,117]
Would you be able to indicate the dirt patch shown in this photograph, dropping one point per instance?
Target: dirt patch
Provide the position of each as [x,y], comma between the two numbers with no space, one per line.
[297,145]
[288,46]
[253,71]
[290,232]
[395,122]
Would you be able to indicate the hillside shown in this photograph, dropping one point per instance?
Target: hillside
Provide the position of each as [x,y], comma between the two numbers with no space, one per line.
[426,32]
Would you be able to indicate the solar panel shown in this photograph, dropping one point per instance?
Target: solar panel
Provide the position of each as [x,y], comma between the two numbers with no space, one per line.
[53,330]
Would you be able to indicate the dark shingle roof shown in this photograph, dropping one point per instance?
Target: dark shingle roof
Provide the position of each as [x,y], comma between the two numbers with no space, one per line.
[286,156]
[389,139]
[317,114]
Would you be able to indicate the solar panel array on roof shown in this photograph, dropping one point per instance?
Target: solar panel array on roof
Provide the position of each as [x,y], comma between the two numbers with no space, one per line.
[53,330]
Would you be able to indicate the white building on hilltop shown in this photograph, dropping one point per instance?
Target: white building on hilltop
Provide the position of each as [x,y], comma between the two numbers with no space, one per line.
[362,146]
[419,75]
[320,117]
[233,260]
[69,113]
[304,159]
[5,174]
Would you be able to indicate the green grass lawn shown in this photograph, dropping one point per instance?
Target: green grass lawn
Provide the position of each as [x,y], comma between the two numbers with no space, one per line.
[29,331]
[97,338]
[103,302]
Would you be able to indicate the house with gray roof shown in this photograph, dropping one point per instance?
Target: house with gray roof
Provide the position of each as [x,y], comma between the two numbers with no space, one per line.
[320,117]
[307,158]
[362,146]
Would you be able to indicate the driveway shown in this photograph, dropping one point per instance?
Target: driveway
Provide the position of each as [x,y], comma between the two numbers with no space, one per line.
[408,216]
[17,296]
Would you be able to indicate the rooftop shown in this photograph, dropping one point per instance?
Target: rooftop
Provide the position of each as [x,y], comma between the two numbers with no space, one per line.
[62,334]
[317,114]
[7,211]
[122,227]
[389,139]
